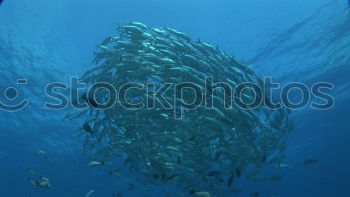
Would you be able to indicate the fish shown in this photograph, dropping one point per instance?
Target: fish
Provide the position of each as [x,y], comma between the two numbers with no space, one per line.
[310,162]
[40,152]
[42,182]
[87,128]
[171,177]
[230,180]
[140,25]
[238,172]
[127,160]
[179,34]
[89,193]
[192,138]
[213,173]
[191,191]
[76,163]
[156,176]
[131,29]
[282,166]
[94,164]
[218,154]
[75,114]
[31,172]
[48,160]
[106,41]
[178,160]
[90,101]
[106,49]
[117,194]
[275,178]
[116,174]
[256,178]
[33,182]
[202,194]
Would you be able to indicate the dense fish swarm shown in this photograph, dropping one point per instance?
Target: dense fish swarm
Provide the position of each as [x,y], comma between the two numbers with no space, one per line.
[205,150]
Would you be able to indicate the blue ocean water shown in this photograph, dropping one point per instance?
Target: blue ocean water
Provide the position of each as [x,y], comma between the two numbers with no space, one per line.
[45,41]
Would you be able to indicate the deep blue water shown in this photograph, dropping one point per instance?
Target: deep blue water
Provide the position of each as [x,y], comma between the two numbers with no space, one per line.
[291,41]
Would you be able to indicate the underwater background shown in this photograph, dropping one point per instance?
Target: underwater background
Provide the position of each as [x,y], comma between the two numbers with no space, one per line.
[45,41]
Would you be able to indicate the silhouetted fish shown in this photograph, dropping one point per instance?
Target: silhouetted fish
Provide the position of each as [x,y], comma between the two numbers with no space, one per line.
[192,138]
[87,128]
[178,160]
[230,181]
[90,101]
[156,176]
[236,190]
[310,162]
[127,160]
[238,172]
[117,194]
[218,154]
[171,177]
[89,193]
[213,173]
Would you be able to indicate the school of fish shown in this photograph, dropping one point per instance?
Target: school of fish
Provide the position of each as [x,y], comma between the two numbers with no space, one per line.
[206,150]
